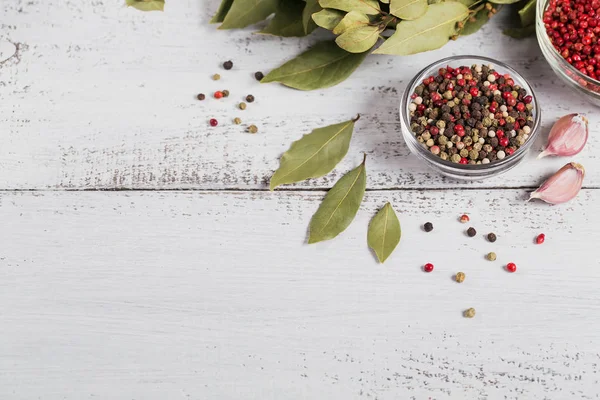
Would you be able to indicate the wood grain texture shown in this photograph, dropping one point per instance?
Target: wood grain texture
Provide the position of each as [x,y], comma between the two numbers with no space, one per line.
[103,96]
[203,295]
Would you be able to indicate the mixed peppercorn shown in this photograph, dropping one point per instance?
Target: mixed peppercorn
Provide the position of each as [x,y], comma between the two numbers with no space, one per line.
[573,27]
[471,115]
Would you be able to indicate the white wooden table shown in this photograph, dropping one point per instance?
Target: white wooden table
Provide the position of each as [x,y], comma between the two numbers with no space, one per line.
[144,258]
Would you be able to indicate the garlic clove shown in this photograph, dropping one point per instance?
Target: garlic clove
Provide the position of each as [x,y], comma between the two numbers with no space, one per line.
[562,186]
[567,137]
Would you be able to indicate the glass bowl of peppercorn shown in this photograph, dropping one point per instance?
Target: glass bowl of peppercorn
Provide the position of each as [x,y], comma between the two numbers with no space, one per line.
[469,117]
[568,32]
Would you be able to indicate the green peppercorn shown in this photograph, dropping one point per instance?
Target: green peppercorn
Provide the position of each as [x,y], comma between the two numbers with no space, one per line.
[252,129]
[444,155]
[456,158]
[216,77]
[441,124]
[237,121]
[491,256]
[442,140]
[426,135]
[473,154]
[464,153]
[460,277]
[470,313]
[242,106]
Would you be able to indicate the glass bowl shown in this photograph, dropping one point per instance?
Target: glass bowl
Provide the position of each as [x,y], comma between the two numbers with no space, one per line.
[460,171]
[589,87]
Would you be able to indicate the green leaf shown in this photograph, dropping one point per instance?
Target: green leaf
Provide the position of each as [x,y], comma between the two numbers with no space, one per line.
[328,19]
[359,40]
[504,1]
[146,5]
[312,6]
[247,12]
[287,21]
[430,32]
[340,206]
[353,19]
[408,9]
[222,11]
[370,7]
[520,33]
[527,13]
[324,65]
[384,233]
[475,22]
[315,154]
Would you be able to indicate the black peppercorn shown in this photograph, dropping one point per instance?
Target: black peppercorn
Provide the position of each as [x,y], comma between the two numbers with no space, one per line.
[259,75]
[428,227]
[491,237]
[201,96]
[471,232]
[250,98]
[228,65]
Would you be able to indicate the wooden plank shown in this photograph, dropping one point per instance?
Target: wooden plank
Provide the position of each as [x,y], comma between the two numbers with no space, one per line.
[102,96]
[155,295]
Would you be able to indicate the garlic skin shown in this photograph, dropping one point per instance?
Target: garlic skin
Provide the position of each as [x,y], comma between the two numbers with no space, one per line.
[567,137]
[562,186]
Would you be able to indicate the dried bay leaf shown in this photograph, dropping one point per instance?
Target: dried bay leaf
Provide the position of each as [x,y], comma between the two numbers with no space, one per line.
[145,5]
[408,9]
[353,19]
[312,7]
[429,32]
[370,7]
[359,40]
[504,1]
[315,154]
[324,65]
[247,12]
[287,21]
[340,206]
[527,13]
[221,11]
[520,33]
[384,233]
[328,18]
[475,22]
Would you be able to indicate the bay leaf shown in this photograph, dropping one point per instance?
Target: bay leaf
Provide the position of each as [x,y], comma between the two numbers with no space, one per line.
[328,18]
[315,154]
[359,40]
[248,12]
[145,5]
[385,1]
[504,1]
[408,9]
[324,65]
[370,7]
[429,32]
[221,11]
[475,22]
[312,6]
[287,21]
[384,233]
[340,206]
[468,3]
[520,33]
[527,13]
[353,19]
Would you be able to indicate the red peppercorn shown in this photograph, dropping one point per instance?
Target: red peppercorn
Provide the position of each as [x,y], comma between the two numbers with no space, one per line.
[434,130]
[421,107]
[464,218]
[464,161]
[461,82]
[509,151]
[413,96]
[511,267]
[428,267]
[521,107]
[474,91]
[511,101]
[503,142]
[218,94]
[500,133]
[459,130]
[541,238]
[213,122]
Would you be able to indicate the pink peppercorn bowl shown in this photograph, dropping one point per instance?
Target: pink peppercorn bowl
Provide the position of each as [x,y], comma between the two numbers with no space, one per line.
[574,78]
[467,171]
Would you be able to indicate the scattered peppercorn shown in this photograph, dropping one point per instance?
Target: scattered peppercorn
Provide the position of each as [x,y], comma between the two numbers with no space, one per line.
[471,232]
[511,267]
[216,77]
[242,106]
[201,96]
[250,98]
[218,94]
[225,93]
[470,313]
[252,129]
[259,75]
[541,238]
[460,277]
[491,256]
[237,121]
[491,237]
[228,65]
[428,267]
[213,122]
[464,218]
[428,227]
